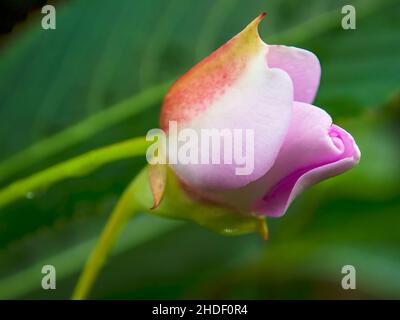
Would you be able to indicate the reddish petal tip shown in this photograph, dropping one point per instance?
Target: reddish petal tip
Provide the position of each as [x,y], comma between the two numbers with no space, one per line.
[262,15]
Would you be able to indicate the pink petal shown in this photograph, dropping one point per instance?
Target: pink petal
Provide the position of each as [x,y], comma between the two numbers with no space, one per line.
[302,66]
[261,101]
[313,150]
[231,89]
[276,202]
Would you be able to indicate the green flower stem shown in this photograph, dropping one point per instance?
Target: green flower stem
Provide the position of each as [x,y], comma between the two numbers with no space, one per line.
[124,209]
[82,131]
[81,165]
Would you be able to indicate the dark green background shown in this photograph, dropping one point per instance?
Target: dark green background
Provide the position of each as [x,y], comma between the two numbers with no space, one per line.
[105,51]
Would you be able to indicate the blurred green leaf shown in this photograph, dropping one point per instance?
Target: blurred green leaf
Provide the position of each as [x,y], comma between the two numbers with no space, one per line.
[67,249]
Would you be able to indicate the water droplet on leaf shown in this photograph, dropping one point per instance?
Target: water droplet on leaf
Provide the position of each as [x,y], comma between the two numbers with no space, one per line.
[30,195]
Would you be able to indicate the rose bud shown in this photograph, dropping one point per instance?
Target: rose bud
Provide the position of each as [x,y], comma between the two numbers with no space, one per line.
[268,89]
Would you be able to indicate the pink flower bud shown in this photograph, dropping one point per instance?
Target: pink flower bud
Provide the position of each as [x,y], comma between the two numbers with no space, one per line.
[250,85]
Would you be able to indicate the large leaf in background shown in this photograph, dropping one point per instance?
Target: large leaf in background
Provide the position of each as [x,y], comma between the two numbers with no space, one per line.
[50,80]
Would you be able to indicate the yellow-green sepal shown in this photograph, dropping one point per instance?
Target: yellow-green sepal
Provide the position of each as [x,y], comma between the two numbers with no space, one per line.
[177,204]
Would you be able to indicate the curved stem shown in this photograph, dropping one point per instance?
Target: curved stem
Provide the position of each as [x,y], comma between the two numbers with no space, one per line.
[124,209]
[78,166]
[82,131]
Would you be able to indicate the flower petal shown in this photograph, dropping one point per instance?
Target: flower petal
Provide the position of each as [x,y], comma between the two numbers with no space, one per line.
[260,102]
[302,66]
[197,89]
[313,150]
[232,89]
